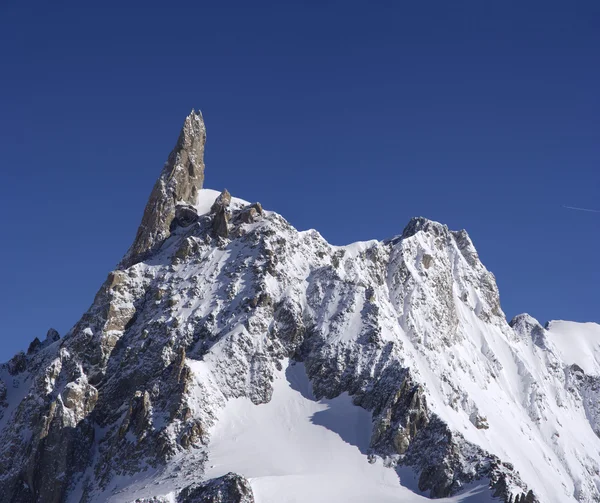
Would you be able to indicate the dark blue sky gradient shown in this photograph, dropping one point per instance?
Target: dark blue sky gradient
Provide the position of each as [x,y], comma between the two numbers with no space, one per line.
[345,117]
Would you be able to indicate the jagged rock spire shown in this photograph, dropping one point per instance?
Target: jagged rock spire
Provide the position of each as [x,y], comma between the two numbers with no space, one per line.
[181,179]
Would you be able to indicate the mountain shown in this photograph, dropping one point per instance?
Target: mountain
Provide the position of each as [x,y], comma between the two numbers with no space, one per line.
[231,358]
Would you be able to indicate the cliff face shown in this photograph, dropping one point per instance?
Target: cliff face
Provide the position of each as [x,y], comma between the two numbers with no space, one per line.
[216,302]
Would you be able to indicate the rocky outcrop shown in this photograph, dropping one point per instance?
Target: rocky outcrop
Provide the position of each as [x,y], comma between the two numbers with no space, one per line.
[221,214]
[181,179]
[251,213]
[59,447]
[231,488]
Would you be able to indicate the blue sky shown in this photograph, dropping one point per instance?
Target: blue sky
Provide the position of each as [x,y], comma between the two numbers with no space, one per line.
[347,117]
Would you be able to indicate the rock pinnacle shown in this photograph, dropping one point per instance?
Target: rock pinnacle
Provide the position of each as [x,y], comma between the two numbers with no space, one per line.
[179,182]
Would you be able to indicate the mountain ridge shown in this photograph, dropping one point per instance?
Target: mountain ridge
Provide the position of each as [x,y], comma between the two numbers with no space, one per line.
[216,294]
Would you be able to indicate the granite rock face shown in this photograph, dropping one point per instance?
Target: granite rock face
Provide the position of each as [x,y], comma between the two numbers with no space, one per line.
[181,179]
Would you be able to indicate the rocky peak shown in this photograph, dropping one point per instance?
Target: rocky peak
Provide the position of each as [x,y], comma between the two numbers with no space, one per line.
[526,325]
[417,224]
[52,335]
[179,182]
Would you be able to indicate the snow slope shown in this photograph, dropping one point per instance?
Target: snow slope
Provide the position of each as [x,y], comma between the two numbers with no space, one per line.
[577,343]
[297,449]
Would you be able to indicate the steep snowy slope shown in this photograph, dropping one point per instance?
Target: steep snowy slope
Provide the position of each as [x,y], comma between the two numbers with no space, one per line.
[576,344]
[314,450]
[228,341]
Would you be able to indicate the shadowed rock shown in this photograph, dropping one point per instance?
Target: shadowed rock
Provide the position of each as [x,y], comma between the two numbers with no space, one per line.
[34,346]
[52,336]
[185,215]
[17,364]
[3,393]
[231,488]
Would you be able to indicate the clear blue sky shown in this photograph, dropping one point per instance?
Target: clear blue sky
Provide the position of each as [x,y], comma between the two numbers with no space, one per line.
[345,117]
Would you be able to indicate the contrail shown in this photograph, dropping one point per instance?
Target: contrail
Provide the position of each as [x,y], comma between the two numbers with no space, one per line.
[580,209]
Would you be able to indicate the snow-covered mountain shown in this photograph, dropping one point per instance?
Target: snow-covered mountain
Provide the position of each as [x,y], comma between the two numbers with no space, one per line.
[232,358]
